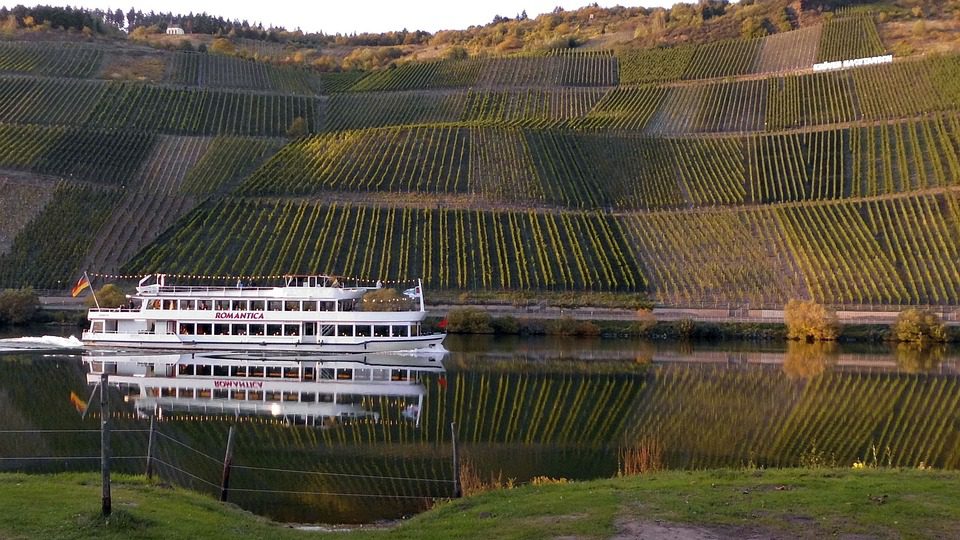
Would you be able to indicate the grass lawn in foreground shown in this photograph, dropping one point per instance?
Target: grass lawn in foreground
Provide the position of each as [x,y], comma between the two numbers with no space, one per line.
[794,503]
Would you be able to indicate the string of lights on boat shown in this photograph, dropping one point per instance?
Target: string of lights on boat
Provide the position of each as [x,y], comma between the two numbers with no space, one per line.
[248,277]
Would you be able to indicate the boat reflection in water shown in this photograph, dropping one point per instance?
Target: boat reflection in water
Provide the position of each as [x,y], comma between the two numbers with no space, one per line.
[311,390]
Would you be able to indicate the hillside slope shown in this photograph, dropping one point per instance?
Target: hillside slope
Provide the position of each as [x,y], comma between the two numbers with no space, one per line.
[726,172]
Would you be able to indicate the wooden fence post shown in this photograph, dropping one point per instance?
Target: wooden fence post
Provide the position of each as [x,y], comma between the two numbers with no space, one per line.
[104,447]
[457,491]
[227,462]
[150,448]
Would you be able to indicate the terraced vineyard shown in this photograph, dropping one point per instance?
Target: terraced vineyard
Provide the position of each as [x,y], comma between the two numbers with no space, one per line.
[447,248]
[50,248]
[712,173]
[55,59]
[215,71]
[23,199]
[847,38]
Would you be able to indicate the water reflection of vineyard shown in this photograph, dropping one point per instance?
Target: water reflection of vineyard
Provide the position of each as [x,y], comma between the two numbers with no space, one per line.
[524,410]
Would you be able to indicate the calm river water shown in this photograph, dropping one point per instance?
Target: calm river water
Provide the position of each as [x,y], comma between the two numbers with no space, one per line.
[360,439]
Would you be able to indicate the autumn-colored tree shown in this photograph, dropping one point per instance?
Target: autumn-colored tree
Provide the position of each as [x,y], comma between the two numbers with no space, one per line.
[918,326]
[809,321]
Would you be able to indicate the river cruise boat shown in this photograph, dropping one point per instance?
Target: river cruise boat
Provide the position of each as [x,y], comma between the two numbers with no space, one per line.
[306,313]
[320,391]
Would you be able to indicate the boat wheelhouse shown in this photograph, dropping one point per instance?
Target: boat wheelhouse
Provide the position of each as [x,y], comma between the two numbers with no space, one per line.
[306,313]
[319,391]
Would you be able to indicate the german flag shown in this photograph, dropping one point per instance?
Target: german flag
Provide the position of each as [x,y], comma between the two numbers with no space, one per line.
[80,286]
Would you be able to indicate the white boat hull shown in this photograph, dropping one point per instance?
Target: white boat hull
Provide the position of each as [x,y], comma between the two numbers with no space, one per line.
[262,343]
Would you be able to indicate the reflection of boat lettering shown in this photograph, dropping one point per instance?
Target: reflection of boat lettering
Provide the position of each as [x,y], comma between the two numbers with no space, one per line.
[229,315]
[238,384]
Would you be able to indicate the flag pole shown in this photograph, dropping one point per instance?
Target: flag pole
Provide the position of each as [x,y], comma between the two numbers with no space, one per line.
[97,302]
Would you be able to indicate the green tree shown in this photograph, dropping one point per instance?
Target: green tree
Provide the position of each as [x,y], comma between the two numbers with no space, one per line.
[469,321]
[109,296]
[18,306]
[809,321]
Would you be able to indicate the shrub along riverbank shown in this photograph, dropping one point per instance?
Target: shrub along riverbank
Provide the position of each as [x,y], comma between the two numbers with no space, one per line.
[796,503]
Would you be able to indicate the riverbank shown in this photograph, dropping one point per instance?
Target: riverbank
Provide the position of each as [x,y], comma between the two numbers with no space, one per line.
[795,503]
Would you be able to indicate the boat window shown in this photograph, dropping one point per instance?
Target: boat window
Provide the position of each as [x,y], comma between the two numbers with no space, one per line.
[274,372]
[363,330]
[308,397]
[256,305]
[400,331]
[169,304]
[291,373]
[238,371]
[309,329]
[254,395]
[221,305]
[238,305]
[187,304]
[309,305]
[273,329]
[344,374]
[347,305]
[186,329]
[291,305]
[326,329]
[398,375]
[326,306]
[238,329]
[168,392]
[273,396]
[238,395]
[153,304]
[256,330]
[291,329]
[112,326]
[326,374]
[96,326]
[381,331]
[204,304]
[185,392]
[203,393]
[361,374]
[204,370]
[204,329]
[256,371]
[381,374]
[221,329]
[344,329]
[291,396]
[221,371]
[415,330]
[325,398]
[308,374]
[220,393]
[185,369]
[274,305]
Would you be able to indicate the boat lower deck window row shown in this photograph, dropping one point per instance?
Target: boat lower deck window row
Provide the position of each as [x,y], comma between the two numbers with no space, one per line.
[306,329]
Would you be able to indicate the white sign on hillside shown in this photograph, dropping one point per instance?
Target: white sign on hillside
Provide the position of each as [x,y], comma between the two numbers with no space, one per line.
[857,62]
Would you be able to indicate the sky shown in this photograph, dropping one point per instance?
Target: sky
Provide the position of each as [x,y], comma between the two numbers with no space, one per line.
[347,17]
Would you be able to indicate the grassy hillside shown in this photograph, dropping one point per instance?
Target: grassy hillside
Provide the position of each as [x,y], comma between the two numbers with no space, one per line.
[723,169]
[796,503]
